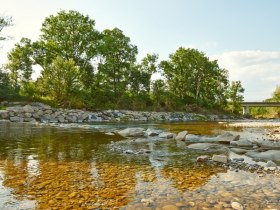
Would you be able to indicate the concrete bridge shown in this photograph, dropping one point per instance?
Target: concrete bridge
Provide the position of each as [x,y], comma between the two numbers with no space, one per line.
[246,105]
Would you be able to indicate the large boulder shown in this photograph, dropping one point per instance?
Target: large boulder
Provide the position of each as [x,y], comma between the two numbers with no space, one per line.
[273,155]
[268,143]
[226,138]
[181,136]
[242,143]
[132,132]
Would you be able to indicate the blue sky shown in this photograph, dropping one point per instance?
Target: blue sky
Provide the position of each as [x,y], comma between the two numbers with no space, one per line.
[242,34]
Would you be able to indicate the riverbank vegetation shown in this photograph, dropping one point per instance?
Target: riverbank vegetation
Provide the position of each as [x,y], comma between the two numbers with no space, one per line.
[81,67]
[268,112]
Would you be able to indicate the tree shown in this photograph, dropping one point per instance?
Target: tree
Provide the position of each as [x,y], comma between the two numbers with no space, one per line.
[60,81]
[20,63]
[117,57]
[6,90]
[193,78]
[5,22]
[69,35]
[159,93]
[235,96]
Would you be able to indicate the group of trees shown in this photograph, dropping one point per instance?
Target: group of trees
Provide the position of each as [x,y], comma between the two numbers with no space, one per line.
[83,67]
[268,112]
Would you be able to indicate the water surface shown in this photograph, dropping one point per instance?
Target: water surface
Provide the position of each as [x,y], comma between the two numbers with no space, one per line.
[47,167]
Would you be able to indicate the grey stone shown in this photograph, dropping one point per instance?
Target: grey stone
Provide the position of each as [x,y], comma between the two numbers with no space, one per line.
[242,143]
[132,132]
[239,150]
[181,136]
[208,147]
[16,119]
[4,114]
[202,158]
[192,138]
[29,119]
[60,119]
[28,108]
[273,155]
[48,111]
[152,132]
[220,158]
[166,135]
[270,164]
[28,115]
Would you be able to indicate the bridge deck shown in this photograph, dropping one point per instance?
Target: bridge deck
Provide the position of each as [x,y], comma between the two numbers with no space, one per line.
[261,104]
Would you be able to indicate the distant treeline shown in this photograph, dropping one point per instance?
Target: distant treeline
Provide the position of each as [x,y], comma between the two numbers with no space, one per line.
[82,67]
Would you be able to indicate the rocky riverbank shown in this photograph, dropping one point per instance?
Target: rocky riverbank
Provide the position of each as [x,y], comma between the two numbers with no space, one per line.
[233,150]
[39,112]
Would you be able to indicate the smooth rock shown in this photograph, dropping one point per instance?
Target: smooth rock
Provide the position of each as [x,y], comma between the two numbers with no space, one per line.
[181,136]
[166,135]
[152,132]
[239,150]
[220,158]
[132,132]
[273,155]
[270,164]
[237,206]
[202,158]
[191,138]
[242,143]
[4,114]
[208,147]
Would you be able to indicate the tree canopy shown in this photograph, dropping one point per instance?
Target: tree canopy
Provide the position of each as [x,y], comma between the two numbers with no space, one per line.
[86,68]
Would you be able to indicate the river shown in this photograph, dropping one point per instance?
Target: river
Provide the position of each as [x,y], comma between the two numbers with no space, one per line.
[68,167]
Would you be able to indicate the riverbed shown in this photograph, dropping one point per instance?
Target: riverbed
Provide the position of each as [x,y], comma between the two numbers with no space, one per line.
[73,166]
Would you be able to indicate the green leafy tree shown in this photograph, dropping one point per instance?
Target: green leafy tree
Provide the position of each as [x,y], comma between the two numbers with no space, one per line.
[159,94]
[235,96]
[193,78]
[6,90]
[117,57]
[20,63]
[60,81]
[69,35]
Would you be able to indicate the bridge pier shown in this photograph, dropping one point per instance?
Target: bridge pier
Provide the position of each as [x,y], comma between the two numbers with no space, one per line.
[246,110]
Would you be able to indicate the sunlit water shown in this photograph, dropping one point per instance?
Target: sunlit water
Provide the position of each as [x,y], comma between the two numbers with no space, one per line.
[46,167]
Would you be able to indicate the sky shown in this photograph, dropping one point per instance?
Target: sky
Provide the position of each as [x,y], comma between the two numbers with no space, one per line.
[243,35]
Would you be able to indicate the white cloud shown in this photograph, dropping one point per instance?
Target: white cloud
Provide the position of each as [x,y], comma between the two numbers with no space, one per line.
[259,71]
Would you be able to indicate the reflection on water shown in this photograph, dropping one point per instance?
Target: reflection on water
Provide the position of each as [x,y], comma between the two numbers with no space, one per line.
[45,167]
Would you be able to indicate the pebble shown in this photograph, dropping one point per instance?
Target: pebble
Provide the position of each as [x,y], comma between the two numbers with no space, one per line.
[237,206]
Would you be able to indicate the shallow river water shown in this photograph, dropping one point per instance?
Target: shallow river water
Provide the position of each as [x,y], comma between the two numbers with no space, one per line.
[47,167]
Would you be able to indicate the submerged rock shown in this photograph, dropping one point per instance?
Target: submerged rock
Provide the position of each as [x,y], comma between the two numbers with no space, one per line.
[208,147]
[237,206]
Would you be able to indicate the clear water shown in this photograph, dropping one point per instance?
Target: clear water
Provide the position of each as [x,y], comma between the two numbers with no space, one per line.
[47,167]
